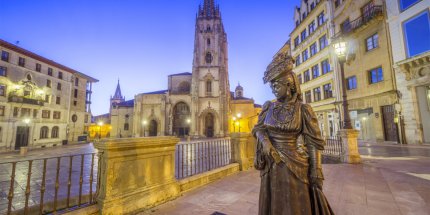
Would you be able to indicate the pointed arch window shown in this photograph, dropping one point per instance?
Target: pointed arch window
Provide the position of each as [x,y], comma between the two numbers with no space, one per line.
[208,86]
[208,41]
[208,58]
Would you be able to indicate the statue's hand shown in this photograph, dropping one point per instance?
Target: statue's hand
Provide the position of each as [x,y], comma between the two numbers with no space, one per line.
[267,147]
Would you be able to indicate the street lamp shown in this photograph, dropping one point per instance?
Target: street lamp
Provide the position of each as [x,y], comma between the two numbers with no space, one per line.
[27,122]
[100,124]
[239,116]
[340,48]
[144,124]
[234,124]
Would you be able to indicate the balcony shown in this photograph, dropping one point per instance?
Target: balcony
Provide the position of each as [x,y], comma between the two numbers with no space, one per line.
[361,22]
[23,100]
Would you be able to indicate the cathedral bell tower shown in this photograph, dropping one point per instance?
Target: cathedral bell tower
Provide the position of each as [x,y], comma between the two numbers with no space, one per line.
[210,86]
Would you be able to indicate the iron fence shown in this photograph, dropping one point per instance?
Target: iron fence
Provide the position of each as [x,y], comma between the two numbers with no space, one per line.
[49,185]
[200,156]
[333,146]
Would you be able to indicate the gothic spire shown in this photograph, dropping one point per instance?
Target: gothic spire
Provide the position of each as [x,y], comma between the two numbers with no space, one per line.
[117,94]
[209,10]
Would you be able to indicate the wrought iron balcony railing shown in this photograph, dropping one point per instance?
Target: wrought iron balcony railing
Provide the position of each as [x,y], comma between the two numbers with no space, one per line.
[366,18]
[19,99]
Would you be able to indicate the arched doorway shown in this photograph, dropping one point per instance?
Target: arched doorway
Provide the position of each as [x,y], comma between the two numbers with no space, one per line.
[153,128]
[209,125]
[181,119]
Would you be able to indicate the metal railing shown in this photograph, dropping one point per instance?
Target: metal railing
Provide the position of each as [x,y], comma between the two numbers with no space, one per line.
[200,156]
[373,12]
[49,185]
[333,146]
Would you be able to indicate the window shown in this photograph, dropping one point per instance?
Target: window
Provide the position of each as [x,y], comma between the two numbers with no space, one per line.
[311,27]
[308,96]
[25,112]
[297,23]
[44,132]
[320,19]
[336,3]
[417,34]
[48,83]
[126,126]
[2,109]
[15,111]
[351,83]
[58,100]
[345,26]
[47,98]
[317,94]
[323,42]
[75,103]
[304,15]
[46,114]
[328,93]
[49,71]
[21,61]
[38,67]
[208,41]
[303,35]
[2,90]
[56,115]
[59,86]
[305,55]
[76,82]
[299,77]
[60,75]
[5,56]
[35,111]
[313,49]
[376,75]
[306,76]
[372,42]
[312,5]
[3,71]
[405,4]
[315,71]
[296,42]
[27,93]
[298,60]
[208,86]
[54,132]
[75,93]
[208,58]
[325,65]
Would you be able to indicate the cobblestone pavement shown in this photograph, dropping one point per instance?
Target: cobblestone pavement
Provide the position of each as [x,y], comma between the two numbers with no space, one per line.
[392,179]
[22,166]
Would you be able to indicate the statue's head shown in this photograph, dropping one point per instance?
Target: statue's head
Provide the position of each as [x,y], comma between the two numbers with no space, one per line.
[284,83]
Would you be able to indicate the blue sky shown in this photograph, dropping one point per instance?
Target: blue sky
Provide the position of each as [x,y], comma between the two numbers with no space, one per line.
[143,41]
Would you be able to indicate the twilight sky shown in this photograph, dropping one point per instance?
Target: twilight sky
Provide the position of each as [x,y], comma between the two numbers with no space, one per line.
[141,42]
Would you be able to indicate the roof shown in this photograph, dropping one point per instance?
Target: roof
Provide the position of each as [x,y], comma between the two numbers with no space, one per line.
[241,98]
[155,92]
[129,103]
[179,74]
[258,106]
[45,60]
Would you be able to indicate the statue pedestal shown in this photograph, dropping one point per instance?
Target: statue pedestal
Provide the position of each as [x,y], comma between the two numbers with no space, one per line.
[136,173]
[243,150]
[350,152]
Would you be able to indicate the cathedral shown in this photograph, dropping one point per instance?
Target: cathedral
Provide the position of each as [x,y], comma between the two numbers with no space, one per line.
[197,104]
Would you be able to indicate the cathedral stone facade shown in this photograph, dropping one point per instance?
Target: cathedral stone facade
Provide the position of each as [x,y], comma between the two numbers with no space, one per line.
[195,104]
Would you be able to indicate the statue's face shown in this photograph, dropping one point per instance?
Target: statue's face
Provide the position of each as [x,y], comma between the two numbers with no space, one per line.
[282,88]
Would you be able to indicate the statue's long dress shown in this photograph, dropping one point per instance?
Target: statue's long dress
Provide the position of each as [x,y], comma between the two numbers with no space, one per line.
[285,186]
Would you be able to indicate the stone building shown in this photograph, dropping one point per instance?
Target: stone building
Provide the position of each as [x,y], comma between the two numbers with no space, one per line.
[310,47]
[42,103]
[409,27]
[244,111]
[196,104]
[370,80]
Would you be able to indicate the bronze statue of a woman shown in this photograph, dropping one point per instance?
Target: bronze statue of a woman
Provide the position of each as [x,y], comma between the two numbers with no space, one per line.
[291,174]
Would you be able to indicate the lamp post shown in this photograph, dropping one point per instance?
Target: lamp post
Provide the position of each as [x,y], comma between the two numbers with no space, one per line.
[100,124]
[239,116]
[340,48]
[27,122]
[234,124]
[144,125]
[188,133]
